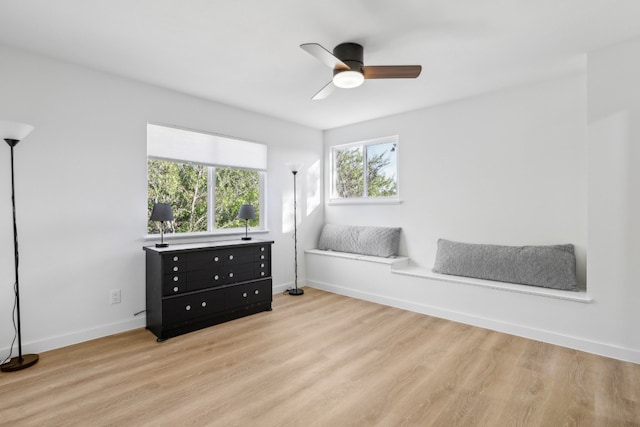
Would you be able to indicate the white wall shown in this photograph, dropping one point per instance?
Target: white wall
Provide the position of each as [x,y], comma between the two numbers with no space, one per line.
[81,193]
[614,187]
[553,162]
[507,168]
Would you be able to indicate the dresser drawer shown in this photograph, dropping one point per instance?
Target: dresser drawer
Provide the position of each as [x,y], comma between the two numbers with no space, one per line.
[205,260]
[237,256]
[201,279]
[262,269]
[181,309]
[262,253]
[174,283]
[214,260]
[240,273]
[175,263]
[249,293]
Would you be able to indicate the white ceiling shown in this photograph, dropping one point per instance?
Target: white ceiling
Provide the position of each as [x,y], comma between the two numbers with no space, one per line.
[246,53]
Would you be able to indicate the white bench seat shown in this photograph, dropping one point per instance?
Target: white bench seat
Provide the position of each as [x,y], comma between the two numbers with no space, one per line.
[403,265]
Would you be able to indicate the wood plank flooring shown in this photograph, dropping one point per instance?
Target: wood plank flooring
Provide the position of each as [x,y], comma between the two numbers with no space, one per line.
[322,360]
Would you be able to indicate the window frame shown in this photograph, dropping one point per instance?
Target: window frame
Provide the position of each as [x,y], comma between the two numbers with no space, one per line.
[334,199]
[211,177]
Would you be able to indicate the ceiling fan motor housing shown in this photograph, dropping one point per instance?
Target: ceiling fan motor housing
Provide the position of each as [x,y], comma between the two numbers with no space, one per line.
[347,63]
[351,54]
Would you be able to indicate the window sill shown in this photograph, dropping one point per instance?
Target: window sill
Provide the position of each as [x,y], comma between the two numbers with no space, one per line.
[205,234]
[365,201]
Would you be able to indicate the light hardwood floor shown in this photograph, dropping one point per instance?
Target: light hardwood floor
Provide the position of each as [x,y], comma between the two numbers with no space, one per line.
[322,360]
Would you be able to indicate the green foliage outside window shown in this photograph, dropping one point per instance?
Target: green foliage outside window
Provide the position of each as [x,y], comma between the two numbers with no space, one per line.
[186,188]
[380,183]
[235,187]
[349,172]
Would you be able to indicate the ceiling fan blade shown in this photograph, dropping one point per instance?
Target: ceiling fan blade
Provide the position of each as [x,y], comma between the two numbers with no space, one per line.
[325,91]
[324,56]
[392,71]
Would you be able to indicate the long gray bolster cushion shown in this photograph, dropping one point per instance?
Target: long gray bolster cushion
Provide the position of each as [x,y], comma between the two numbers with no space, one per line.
[544,266]
[365,240]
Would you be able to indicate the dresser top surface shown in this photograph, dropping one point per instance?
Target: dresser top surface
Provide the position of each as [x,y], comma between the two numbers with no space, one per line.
[206,245]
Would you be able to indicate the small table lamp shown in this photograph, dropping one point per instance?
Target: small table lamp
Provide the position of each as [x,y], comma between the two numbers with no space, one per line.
[161,212]
[246,212]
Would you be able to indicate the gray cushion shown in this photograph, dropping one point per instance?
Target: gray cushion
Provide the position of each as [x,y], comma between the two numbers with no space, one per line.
[376,241]
[545,266]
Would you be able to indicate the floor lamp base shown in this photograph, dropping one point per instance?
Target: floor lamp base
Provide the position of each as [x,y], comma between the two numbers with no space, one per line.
[296,291]
[17,363]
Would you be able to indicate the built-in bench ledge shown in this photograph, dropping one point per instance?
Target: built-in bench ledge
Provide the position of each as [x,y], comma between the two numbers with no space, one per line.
[402,265]
[393,262]
[416,271]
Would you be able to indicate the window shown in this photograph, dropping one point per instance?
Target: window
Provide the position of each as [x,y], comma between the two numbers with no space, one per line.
[365,170]
[205,178]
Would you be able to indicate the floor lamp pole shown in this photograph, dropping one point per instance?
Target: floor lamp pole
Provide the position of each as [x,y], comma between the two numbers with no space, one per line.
[21,361]
[296,290]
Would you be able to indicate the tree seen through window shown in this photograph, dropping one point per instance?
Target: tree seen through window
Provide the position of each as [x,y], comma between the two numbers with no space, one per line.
[186,187]
[365,170]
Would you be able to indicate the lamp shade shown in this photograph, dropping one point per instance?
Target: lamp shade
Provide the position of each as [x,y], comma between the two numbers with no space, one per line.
[294,167]
[246,212]
[161,212]
[14,130]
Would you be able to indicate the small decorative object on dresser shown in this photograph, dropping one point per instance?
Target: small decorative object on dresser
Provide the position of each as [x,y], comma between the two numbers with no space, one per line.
[161,212]
[246,212]
[192,286]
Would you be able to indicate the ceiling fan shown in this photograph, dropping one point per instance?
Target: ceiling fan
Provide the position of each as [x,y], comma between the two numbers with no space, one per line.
[349,70]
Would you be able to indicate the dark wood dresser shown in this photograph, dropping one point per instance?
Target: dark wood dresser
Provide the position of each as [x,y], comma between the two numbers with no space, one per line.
[192,286]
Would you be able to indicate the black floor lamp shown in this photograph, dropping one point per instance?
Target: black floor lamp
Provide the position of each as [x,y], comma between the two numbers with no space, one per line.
[295,167]
[13,133]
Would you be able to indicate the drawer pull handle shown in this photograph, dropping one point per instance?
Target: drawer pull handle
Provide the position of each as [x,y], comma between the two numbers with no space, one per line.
[175,258]
[176,289]
[176,278]
[175,268]
[262,248]
[230,256]
[230,274]
[216,259]
[188,308]
[257,292]
[204,303]
[261,256]
[262,273]
[216,277]
[262,265]
[244,295]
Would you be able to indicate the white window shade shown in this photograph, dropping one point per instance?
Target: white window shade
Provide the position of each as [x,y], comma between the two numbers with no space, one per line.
[187,146]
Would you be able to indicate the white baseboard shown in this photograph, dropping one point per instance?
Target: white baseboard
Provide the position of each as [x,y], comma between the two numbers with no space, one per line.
[93,333]
[278,289]
[77,336]
[550,337]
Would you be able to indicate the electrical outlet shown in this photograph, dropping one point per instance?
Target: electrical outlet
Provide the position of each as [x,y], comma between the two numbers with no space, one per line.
[116,296]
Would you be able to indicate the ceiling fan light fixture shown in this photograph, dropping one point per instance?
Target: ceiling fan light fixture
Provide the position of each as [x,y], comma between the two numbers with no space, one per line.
[348,79]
